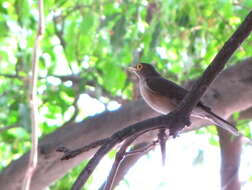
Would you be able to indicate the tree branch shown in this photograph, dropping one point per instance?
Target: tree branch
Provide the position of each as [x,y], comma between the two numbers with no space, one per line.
[119,157]
[33,102]
[222,97]
[130,159]
[217,65]
[177,119]
[140,127]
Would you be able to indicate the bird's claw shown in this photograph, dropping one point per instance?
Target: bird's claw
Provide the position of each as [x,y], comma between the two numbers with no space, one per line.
[180,121]
[174,133]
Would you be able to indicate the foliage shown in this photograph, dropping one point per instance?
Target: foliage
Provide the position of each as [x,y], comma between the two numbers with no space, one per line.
[87,47]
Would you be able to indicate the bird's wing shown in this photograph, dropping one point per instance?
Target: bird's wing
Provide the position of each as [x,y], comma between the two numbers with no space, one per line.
[166,88]
[176,93]
[169,89]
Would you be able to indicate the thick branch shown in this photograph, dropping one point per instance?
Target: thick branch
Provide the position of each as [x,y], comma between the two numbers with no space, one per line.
[178,118]
[117,137]
[119,157]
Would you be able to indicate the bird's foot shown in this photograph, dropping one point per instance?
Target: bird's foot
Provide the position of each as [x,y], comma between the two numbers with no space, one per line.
[178,121]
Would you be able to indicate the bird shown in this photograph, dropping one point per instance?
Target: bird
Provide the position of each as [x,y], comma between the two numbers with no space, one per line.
[163,96]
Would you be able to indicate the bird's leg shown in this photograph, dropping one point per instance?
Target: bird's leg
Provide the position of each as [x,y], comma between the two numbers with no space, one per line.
[162,138]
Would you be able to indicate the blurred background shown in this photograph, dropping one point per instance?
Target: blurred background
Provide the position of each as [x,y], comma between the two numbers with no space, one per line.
[85,52]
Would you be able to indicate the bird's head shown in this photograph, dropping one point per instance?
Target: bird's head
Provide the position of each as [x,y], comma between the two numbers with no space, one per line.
[143,70]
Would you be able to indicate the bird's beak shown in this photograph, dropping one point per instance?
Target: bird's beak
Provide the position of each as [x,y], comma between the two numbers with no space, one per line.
[132,69]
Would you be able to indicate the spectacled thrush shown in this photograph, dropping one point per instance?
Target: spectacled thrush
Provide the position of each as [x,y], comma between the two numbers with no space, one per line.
[163,96]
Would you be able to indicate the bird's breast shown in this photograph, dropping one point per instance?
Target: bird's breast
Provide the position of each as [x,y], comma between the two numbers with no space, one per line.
[159,103]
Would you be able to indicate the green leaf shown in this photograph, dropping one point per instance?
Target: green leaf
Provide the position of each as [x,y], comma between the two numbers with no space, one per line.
[70,38]
[118,32]
[89,23]
[4,29]
[23,11]
[88,28]
[114,78]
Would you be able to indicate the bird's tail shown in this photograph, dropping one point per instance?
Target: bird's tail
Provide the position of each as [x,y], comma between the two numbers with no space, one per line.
[217,120]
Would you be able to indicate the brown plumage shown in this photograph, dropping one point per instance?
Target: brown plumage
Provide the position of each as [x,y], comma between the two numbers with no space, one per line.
[163,96]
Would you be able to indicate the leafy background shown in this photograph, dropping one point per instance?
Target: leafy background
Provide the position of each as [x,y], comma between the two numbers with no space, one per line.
[88,45]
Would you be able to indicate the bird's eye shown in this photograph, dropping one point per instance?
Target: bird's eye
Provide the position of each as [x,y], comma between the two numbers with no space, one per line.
[139,67]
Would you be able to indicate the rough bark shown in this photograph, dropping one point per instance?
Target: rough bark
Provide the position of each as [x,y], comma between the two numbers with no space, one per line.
[231,92]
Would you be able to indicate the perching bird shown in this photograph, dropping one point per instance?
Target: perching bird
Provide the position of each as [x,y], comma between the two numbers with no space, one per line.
[163,96]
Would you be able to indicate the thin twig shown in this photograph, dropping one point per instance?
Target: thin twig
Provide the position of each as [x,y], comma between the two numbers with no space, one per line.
[33,102]
[113,140]
[119,157]
[82,178]
[133,155]
[68,154]
[142,150]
